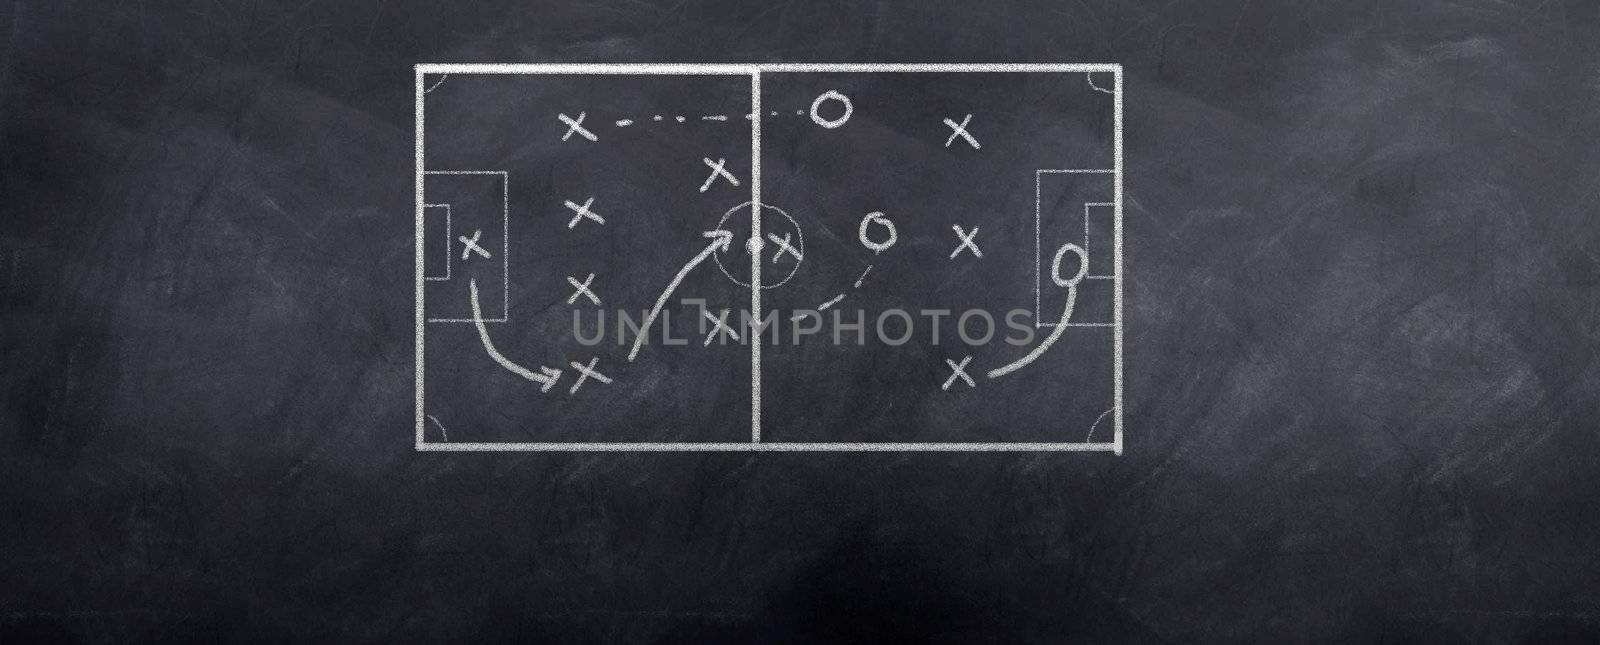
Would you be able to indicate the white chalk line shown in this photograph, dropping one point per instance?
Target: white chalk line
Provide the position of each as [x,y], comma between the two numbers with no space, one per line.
[1096,424]
[1116,308]
[1072,297]
[436,84]
[1097,88]
[447,254]
[735,69]
[755,258]
[841,296]
[770,446]
[545,380]
[862,277]
[442,431]
[420,316]
[720,240]
[1086,247]
[722,118]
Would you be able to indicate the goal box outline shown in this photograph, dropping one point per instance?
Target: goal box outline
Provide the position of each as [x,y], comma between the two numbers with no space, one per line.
[505,242]
[754,71]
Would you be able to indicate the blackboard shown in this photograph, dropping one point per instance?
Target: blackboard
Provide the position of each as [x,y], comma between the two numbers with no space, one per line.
[1357,313]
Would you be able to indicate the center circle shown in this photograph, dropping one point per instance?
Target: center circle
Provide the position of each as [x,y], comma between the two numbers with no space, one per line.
[780,249]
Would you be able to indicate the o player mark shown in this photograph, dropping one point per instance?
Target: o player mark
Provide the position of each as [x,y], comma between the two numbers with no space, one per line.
[547,378]
[876,217]
[576,125]
[958,370]
[966,241]
[719,325]
[783,247]
[717,171]
[960,130]
[587,372]
[470,246]
[583,212]
[720,240]
[1071,285]
[582,290]
[1055,266]
[831,95]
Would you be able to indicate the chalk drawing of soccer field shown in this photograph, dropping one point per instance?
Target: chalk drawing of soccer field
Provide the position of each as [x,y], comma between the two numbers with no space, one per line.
[769,257]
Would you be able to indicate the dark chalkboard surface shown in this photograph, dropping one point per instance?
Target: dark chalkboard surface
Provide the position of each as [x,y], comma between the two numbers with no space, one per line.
[1359,307]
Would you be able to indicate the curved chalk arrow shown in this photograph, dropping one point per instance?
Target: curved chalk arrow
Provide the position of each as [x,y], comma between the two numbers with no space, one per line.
[1072,296]
[720,240]
[1071,285]
[545,380]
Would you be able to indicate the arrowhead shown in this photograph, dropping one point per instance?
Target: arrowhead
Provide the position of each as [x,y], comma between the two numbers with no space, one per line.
[723,239]
[551,376]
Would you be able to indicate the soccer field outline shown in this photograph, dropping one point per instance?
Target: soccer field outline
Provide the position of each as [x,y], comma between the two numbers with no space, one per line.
[755,72]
